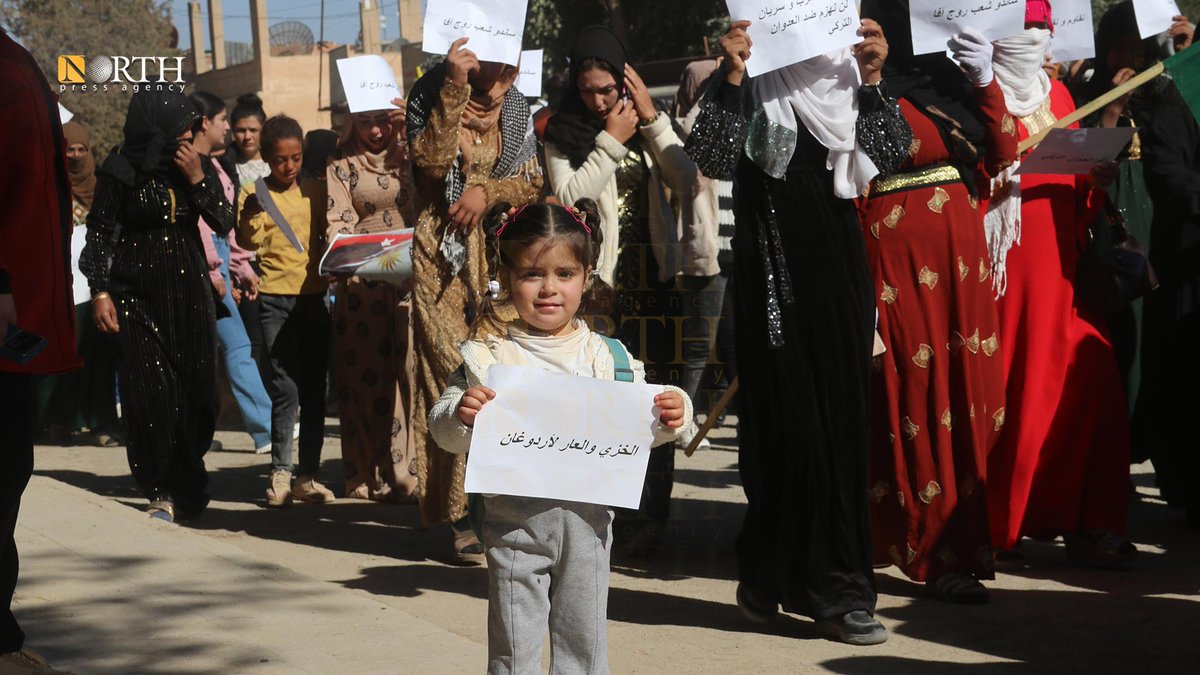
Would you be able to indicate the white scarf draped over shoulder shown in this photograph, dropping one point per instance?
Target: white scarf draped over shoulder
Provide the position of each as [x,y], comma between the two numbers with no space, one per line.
[820,94]
[1017,62]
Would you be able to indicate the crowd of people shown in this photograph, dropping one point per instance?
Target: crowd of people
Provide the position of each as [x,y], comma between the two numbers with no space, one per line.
[925,374]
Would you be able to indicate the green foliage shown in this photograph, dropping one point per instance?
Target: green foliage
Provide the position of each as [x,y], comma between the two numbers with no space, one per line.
[49,28]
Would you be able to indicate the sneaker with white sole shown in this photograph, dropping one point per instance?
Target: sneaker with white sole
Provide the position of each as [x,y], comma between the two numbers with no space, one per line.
[306,489]
[263,449]
[280,492]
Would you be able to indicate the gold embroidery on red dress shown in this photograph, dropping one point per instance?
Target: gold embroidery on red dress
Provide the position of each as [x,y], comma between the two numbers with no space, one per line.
[914,148]
[875,230]
[991,345]
[973,201]
[889,294]
[1007,125]
[963,269]
[973,342]
[938,201]
[909,428]
[893,219]
[948,420]
[984,272]
[998,418]
[881,490]
[928,277]
[921,358]
[931,490]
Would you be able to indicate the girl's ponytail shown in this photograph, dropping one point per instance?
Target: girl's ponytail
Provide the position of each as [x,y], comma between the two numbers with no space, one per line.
[598,296]
[489,322]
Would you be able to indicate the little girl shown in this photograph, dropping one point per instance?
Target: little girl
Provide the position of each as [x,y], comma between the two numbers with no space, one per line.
[282,217]
[547,559]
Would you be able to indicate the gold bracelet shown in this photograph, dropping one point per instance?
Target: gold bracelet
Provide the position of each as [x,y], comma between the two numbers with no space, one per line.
[101,294]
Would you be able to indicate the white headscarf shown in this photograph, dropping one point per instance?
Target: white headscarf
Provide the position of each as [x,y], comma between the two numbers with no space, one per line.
[822,95]
[1017,62]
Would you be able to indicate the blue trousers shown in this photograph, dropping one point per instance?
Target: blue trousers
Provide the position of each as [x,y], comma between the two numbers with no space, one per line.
[240,367]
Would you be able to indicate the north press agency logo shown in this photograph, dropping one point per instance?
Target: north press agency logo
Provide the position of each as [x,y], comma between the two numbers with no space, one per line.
[121,73]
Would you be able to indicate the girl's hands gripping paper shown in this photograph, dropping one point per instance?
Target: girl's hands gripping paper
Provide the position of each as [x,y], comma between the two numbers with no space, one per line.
[472,402]
[670,409]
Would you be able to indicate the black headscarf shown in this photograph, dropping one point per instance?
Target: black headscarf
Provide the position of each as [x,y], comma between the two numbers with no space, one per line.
[152,128]
[319,144]
[574,128]
[1118,22]
[934,84]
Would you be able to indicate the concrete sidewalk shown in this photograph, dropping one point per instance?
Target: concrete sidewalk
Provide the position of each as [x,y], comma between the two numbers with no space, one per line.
[104,589]
[362,587]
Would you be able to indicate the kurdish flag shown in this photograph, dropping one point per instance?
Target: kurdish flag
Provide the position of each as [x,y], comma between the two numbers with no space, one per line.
[386,256]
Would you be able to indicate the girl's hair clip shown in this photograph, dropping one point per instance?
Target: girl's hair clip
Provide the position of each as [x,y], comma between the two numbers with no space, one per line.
[507,218]
[494,289]
[580,217]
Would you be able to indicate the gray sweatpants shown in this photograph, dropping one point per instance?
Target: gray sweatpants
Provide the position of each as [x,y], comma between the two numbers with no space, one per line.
[547,564]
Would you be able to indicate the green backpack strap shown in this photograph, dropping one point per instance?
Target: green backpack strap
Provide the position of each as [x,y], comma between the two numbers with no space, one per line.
[622,368]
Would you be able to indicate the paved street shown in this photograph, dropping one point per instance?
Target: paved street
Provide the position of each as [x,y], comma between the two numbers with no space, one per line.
[360,587]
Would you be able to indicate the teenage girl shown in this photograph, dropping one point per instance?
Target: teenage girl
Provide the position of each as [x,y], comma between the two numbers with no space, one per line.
[547,559]
[282,217]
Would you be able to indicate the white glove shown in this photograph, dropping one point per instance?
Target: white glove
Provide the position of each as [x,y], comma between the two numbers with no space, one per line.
[974,53]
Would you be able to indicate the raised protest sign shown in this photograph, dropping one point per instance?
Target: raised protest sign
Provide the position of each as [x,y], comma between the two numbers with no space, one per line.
[790,31]
[934,22]
[494,26]
[369,83]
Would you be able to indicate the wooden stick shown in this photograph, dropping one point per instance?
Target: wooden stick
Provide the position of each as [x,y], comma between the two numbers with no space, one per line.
[1116,93]
[713,415]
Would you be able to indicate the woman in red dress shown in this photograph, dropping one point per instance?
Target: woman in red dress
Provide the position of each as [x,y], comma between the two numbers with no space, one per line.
[938,390]
[1061,466]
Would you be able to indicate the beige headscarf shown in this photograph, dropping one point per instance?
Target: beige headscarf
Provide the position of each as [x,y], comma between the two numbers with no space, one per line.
[83,169]
[482,113]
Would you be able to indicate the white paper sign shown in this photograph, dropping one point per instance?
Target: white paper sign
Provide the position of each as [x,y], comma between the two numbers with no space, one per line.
[1154,16]
[1073,37]
[79,283]
[559,436]
[64,115]
[369,83]
[1073,152]
[495,27]
[934,22]
[530,81]
[790,31]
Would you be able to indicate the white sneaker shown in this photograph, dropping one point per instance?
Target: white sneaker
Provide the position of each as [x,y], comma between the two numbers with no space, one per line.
[263,449]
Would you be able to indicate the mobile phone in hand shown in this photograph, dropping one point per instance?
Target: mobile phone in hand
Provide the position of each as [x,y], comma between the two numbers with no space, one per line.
[20,346]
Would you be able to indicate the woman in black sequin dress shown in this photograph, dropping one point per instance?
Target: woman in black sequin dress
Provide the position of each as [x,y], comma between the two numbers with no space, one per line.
[801,142]
[150,286]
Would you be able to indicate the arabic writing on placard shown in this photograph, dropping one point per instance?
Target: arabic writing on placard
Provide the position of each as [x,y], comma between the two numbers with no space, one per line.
[495,27]
[529,82]
[934,22]
[588,444]
[1154,16]
[369,83]
[1073,152]
[1073,38]
[789,31]
[584,446]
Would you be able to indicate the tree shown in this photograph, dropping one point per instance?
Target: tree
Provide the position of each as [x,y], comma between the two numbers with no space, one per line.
[50,28]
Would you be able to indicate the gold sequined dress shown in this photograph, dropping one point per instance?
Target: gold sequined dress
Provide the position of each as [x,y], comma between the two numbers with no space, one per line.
[445,303]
